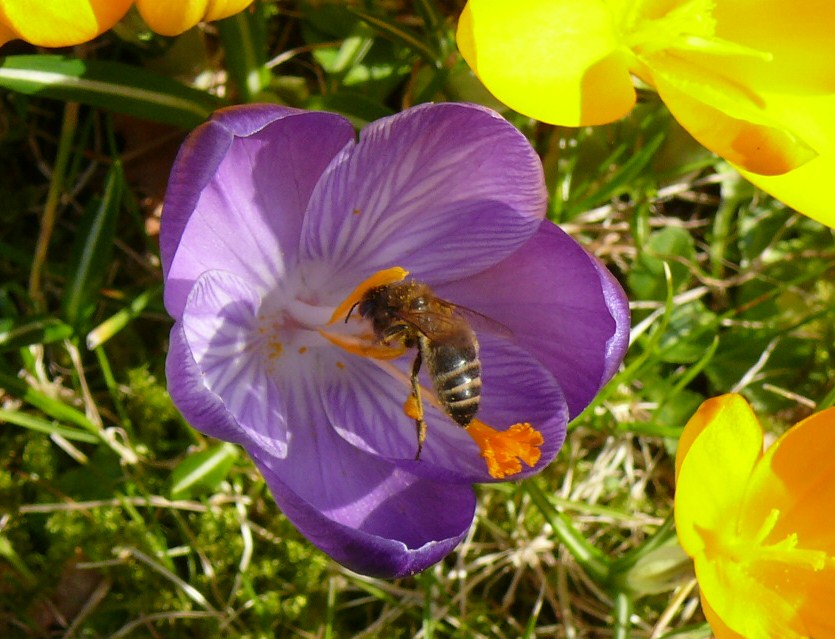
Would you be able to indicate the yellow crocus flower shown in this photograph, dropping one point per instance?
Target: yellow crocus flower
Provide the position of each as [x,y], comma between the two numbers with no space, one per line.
[759,526]
[61,23]
[172,18]
[751,80]
[58,23]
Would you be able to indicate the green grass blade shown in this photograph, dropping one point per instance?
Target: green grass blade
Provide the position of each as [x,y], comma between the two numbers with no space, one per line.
[43,426]
[93,248]
[245,50]
[111,85]
[33,330]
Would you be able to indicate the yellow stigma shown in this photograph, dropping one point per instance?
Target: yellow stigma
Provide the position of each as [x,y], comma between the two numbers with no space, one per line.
[380,278]
[504,451]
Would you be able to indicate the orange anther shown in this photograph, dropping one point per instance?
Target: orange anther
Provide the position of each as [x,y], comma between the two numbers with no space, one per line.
[504,451]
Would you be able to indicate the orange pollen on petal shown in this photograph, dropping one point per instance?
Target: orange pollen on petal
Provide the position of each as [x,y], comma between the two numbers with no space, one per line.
[276,348]
[504,451]
[380,278]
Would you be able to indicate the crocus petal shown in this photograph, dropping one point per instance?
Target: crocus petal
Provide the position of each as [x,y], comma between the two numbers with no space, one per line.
[796,35]
[730,121]
[717,452]
[238,192]
[362,510]
[60,23]
[618,305]
[806,189]
[807,587]
[796,476]
[222,329]
[171,19]
[559,307]
[367,410]
[6,33]
[719,627]
[745,605]
[201,408]
[443,190]
[559,61]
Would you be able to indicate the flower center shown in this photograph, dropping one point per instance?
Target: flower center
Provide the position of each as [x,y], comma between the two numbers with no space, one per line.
[690,26]
[786,551]
[503,451]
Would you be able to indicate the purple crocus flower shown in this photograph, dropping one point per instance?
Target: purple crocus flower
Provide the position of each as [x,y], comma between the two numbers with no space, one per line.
[273,219]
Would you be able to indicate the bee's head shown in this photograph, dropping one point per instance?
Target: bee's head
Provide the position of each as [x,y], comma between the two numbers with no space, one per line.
[372,303]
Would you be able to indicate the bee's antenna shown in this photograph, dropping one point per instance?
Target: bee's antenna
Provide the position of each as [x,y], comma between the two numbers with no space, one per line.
[351,310]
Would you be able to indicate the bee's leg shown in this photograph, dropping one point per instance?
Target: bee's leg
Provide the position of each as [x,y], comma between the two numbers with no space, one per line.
[420,425]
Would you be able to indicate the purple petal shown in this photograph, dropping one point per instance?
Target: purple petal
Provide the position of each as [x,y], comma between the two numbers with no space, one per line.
[200,407]
[618,305]
[363,511]
[238,193]
[444,190]
[198,159]
[560,306]
[221,326]
[366,408]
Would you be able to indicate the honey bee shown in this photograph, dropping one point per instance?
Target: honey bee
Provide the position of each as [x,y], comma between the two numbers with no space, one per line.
[410,314]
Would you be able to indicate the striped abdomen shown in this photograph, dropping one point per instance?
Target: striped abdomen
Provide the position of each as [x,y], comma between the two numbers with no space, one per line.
[456,374]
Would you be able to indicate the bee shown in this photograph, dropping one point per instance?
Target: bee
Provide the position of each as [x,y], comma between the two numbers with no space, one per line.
[410,314]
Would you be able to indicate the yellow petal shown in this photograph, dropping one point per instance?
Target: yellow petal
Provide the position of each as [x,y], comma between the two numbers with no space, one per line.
[797,36]
[60,23]
[729,118]
[6,34]
[797,477]
[220,9]
[559,61]
[173,18]
[717,452]
[737,604]
[808,188]
[807,592]
[719,627]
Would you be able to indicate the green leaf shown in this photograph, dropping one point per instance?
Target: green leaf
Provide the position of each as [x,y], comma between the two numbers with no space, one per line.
[245,51]
[203,471]
[671,245]
[691,331]
[111,85]
[393,30]
[16,334]
[92,250]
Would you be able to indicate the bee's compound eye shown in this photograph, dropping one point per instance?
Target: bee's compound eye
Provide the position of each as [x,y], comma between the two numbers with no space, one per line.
[366,307]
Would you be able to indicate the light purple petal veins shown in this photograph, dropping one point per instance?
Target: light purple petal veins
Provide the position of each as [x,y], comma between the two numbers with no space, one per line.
[442,190]
[237,350]
[274,216]
[359,508]
[236,203]
[365,407]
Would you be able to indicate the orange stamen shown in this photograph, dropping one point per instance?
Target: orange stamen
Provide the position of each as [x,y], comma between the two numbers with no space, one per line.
[503,450]
[363,347]
[380,278]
